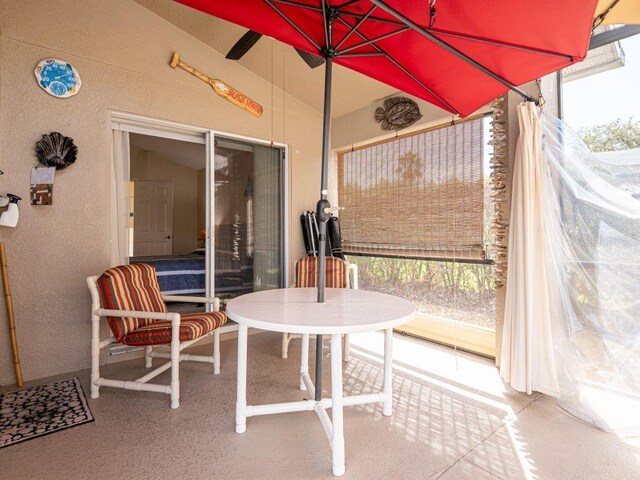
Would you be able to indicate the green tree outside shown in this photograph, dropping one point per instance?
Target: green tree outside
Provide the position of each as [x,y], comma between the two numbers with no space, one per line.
[616,135]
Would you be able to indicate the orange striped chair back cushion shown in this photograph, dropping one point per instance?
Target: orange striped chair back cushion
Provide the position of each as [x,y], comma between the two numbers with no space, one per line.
[130,287]
[307,272]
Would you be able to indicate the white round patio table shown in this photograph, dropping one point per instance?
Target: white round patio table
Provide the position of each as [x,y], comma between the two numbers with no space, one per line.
[295,310]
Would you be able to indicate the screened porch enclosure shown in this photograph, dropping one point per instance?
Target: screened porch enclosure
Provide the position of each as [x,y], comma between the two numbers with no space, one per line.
[416,220]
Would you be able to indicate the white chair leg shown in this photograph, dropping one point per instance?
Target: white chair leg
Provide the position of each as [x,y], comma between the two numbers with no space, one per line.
[347,348]
[95,353]
[241,392]
[148,360]
[387,408]
[175,363]
[285,345]
[304,358]
[337,434]
[216,351]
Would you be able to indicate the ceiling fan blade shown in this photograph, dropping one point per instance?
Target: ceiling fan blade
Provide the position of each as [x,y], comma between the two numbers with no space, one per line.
[310,59]
[243,45]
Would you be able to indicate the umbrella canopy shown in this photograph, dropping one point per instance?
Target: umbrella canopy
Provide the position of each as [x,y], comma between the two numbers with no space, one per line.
[516,40]
[610,12]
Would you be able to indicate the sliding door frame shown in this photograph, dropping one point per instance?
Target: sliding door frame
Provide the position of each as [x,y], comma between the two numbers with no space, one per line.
[285,192]
[134,123]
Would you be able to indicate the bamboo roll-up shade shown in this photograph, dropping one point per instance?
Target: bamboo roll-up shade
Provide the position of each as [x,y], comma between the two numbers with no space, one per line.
[419,196]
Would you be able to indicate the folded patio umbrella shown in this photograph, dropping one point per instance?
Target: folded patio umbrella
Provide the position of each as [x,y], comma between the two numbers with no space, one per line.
[455,54]
[308,235]
[335,237]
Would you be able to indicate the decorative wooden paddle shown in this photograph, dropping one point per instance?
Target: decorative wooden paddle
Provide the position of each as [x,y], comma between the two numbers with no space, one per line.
[12,323]
[221,88]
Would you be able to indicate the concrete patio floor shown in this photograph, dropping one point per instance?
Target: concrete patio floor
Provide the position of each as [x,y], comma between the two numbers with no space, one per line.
[453,420]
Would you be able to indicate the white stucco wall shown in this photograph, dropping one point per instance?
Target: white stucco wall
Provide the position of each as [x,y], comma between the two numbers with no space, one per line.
[122,52]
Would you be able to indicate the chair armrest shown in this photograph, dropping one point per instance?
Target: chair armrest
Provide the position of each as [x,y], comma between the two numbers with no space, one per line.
[183,298]
[353,283]
[170,316]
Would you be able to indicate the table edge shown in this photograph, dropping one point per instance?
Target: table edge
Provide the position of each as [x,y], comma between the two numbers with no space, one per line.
[324,329]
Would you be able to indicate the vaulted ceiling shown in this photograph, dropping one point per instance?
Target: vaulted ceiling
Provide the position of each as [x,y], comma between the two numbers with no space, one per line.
[275,61]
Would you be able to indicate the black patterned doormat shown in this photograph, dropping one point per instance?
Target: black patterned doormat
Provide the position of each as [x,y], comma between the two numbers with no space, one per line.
[33,412]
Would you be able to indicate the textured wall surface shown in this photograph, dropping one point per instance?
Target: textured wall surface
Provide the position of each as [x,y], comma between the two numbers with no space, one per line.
[149,166]
[122,52]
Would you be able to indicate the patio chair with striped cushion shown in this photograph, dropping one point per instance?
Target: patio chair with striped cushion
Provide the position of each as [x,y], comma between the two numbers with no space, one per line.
[339,274]
[129,297]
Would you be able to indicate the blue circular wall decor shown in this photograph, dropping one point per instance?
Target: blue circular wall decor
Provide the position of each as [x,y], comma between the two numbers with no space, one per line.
[58,78]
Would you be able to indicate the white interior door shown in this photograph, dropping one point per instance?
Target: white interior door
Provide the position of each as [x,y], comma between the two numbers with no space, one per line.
[153,218]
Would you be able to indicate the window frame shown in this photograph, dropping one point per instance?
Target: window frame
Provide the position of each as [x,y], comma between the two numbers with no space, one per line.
[445,331]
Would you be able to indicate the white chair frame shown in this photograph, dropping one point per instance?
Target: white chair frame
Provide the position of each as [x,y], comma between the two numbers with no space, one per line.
[352,282]
[176,346]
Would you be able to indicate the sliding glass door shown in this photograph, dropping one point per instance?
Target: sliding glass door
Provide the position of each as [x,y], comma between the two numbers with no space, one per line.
[249,217]
[207,210]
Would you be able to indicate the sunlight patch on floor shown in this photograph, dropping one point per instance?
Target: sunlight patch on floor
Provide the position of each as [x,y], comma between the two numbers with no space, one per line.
[462,375]
[473,372]
[613,411]
[519,447]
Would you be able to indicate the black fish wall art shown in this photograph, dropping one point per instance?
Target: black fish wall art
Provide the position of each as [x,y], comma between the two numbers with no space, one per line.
[56,150]
[398,113]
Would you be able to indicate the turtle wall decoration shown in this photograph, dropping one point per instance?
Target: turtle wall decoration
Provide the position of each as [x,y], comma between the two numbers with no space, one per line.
[398,113]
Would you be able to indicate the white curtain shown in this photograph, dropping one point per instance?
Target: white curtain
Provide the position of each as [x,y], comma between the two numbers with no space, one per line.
[527,359]
[592,232]
[120,207]
[573,286]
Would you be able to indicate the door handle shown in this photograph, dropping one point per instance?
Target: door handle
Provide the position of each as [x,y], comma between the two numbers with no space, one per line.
[168,237]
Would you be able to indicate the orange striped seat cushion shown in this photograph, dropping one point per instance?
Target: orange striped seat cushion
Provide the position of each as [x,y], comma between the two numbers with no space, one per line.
[192,326]
[307,272]
[130,287]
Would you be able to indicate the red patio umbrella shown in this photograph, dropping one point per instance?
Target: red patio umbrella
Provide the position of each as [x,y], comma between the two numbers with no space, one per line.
[416,45]
[455,54]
